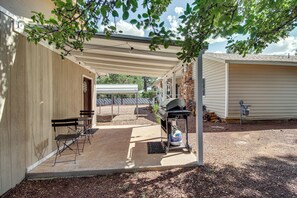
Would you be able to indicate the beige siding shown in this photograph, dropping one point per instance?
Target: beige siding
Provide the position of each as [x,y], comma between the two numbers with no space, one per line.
[214,74]
[24,8]
[35,86]
[12,93]
[54,90]
[271,90]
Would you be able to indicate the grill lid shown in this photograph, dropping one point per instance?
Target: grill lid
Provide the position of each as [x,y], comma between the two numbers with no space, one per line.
[173,104]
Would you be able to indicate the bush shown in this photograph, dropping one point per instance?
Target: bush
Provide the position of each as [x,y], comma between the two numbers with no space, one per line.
[155,110]
[149,94]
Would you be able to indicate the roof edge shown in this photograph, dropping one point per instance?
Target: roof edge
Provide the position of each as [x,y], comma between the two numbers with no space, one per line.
[279,63]
[125,37]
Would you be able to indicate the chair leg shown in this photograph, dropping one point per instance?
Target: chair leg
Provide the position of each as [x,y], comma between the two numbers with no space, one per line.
[58,152]
[77,147]
[89,140]
[77,151]
[84,143]
[65,146]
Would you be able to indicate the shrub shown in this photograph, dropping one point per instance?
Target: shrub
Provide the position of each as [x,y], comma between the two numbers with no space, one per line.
[155,110]
[149,94]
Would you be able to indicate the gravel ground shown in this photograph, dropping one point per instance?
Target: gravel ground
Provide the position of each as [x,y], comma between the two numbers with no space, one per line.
[253,160]
[237,145]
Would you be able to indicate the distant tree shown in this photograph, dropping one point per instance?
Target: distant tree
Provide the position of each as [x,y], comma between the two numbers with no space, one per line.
[261,22]
[120,79]
[144,83]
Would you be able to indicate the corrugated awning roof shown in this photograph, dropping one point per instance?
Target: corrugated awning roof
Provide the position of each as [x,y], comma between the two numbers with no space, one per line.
[117,88]
[122,54]
[253,59]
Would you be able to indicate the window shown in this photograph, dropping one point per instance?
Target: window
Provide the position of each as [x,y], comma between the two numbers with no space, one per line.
[203,86]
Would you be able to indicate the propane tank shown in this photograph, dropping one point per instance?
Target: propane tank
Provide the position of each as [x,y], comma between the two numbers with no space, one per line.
[176,137]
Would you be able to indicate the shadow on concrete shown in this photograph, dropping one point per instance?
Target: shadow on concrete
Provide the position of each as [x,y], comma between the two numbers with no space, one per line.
[148,115]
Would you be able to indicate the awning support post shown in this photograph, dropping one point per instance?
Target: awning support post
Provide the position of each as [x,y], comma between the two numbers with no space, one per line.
[99,106]
[112,98]
[136,105]
[173,87]
[164,89]
[199,110]
[118,107]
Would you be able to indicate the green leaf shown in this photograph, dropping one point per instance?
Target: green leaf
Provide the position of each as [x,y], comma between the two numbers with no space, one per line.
[145,15]
[115,13]
[112,27]
[118,4]
[133,21]
[155,17]
[125,15]
[81,2]
[134,3]
[53,21]
[104,10]
[188,8]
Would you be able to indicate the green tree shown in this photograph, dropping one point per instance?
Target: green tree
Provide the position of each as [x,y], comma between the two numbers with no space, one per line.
[261,22]
[121,79]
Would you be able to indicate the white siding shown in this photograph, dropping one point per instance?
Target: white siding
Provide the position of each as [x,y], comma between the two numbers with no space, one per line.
[271,90]
[214,74]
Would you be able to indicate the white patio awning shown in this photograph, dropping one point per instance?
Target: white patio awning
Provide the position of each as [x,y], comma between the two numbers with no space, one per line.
[116,88]
[123,54]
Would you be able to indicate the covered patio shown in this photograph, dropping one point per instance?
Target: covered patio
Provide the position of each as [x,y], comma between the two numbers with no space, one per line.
[120,148]
[116,149]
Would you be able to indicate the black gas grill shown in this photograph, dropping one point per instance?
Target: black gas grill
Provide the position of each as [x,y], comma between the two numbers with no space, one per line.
[171,110]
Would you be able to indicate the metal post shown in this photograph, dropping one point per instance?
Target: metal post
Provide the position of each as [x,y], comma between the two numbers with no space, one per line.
[112,97]
[173,87]
[99,106]
[137,105]
[118,107]
[199,110]
[164,89]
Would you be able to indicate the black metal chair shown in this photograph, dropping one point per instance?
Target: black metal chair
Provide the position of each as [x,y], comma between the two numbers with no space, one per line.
[88,113]
[88,130]
[66,139]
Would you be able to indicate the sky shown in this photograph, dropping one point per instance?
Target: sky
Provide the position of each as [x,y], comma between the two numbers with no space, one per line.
[170,17]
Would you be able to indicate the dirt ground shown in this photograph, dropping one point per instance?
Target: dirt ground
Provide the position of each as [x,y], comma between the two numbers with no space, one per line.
[252,160]
[237,145]
[145,116]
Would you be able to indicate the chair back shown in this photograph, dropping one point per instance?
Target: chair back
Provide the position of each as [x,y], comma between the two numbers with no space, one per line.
[86,113]
[68,122]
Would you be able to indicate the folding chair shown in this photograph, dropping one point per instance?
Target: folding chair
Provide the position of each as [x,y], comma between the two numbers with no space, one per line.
[88,130]
[88,113]
[66,139]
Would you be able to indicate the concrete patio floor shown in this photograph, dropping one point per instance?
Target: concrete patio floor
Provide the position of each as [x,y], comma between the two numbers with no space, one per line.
[115,149]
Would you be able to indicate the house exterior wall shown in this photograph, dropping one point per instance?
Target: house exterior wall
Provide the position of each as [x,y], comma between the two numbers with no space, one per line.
[270,89]
[12,120]
[214,75]
[24,8]
[35,87]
